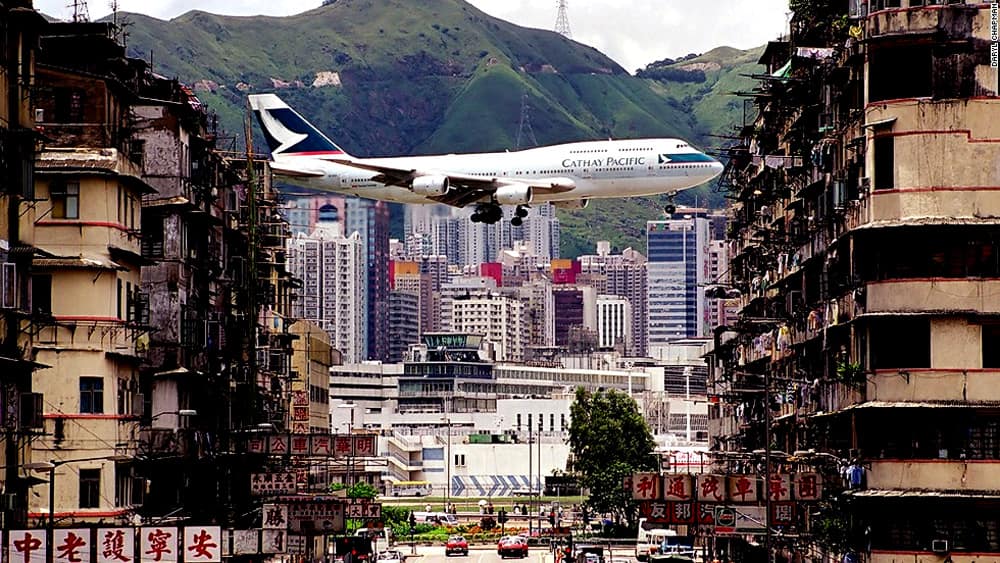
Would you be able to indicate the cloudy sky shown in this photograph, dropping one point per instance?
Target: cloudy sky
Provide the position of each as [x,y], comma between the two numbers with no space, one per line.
[632,32]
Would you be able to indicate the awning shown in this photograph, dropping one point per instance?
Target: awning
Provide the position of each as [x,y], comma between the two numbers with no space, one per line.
[785,71]
[879,123]
[922,494]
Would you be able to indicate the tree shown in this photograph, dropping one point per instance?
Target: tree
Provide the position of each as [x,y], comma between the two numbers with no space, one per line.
[609,440]
[358,490]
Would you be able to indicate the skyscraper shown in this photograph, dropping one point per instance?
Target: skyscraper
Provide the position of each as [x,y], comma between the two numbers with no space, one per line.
[370,219]
[623,275]
[678,268]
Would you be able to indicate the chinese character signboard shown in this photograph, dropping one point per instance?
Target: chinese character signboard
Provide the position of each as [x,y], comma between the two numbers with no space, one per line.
[808,486]
[257,445]
[158,544]
[275,516]
[115,545]
[297,545]
[682,512]
[263,484]
[364,445]
[342,446]
[655,512]
[710,488]
[203,544]
[646,486]
[277,444]
[273,541]
[677,488]
[742,488]
[782,513]
[245,542]
[26,546]
[300,444]
[319,516]
[320,444]
[71,546]
[364,510]
[779,487]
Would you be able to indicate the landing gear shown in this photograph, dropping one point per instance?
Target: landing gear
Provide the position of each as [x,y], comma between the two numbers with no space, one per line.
[520,212]
[488,213]
[670,208]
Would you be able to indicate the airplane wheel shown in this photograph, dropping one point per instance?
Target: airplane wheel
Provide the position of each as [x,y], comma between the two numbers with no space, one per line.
[670,209]
[516,221]
[476,218]
[521,212]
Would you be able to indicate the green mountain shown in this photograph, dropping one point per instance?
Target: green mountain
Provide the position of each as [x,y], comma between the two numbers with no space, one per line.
[400,77]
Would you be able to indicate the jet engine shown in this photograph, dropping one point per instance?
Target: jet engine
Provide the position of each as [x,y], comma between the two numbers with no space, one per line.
[572,204]
[514,194]
[431,186]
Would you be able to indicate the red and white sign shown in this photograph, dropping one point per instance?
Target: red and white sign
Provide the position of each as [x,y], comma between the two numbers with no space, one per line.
[743,488]
[710,488]
[320,444]
[158,544]
[808,486]
[646,486]
[26,546]
[115,545]
[364,446]
[677,488]
[71,545]
[779,487]
[203,544]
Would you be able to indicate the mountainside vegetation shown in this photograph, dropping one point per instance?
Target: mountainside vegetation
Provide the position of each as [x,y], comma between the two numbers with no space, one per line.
[387,77]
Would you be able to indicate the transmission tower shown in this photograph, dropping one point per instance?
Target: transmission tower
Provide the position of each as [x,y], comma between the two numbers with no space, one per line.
[524,127]
[80,12]
[562,19]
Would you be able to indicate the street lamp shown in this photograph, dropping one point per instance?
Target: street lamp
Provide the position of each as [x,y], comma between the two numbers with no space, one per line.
[350,430]
[447,477]
[50,467]
[180,413]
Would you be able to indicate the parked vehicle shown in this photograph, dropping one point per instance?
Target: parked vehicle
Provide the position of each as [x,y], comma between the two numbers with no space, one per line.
[409,489]
[649,539]
[456,545]
[391,556]
[437,518]
[513,546]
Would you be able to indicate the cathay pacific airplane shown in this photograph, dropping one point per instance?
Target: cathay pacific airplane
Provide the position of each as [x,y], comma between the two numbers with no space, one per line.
[568,175]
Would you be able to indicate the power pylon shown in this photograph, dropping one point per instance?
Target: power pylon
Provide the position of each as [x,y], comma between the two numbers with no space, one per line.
[562,19]
[524,127]
[80,11]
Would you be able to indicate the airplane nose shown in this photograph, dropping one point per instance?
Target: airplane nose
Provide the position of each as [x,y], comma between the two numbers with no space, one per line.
[717,168]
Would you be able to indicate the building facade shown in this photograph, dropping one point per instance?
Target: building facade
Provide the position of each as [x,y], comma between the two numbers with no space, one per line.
[865,242]
[677,271]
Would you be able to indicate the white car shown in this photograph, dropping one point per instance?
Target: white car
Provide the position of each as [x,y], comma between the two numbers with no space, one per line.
[390,556]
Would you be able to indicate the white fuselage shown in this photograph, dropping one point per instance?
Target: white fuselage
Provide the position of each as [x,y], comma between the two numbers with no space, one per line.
[598,169]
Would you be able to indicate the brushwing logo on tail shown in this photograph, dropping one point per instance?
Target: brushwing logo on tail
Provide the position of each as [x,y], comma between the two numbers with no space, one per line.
[285,136]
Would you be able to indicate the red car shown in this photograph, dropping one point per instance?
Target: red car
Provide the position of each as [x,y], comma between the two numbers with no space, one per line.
[456,545]
[515,546]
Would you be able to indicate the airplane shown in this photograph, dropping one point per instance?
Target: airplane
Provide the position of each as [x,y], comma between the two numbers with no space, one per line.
[568,175]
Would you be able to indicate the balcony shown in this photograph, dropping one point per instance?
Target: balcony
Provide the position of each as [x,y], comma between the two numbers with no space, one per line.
[935,474]
[169,442]
[921,385]
[934,295]
[947,22]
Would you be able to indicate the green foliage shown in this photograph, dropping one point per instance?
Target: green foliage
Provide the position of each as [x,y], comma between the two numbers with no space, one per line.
[440,76]
[609,440]
[851,373]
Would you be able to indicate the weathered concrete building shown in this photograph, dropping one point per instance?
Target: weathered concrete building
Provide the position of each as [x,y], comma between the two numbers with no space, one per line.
[866,240]
[89,308]
[19,27]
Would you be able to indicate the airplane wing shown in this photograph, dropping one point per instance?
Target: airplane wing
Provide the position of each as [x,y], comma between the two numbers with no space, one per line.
[287,169]
[466,189]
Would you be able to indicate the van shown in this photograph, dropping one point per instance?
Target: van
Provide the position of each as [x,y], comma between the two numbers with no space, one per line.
[649,539]
[439,518]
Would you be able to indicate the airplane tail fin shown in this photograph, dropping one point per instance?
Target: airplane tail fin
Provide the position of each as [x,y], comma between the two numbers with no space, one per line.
[287,132]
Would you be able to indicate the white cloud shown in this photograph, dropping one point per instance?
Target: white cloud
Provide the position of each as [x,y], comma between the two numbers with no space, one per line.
[632,32]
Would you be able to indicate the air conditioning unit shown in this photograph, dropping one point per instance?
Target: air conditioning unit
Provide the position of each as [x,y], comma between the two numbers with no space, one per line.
[138,404]
[940,546]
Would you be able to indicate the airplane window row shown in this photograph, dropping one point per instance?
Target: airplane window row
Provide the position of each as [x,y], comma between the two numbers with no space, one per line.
[633,150]
[590,151]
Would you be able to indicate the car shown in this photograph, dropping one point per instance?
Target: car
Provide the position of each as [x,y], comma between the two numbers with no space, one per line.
[456,545]
[390,556]
[514,546]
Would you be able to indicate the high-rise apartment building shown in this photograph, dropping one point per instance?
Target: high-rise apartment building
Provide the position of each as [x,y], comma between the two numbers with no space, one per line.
[624,275]
[331,267]
[614,321]
[370,219]
[498,318]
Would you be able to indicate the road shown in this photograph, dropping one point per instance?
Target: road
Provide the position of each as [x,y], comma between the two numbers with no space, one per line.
[488,554]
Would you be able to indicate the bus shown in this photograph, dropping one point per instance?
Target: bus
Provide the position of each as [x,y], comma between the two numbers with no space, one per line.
[409,489]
